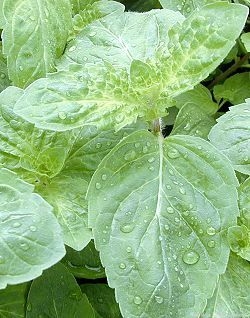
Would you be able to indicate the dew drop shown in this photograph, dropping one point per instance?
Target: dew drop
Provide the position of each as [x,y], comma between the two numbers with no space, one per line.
[190,257]
[152,159]
[72,48]
[98,186]
[92,33]
[127,228]
[104,177]
[137,300]
[171,172]
[159,299]
[166,227]
[16,224]
[177,220]
[186,213]
[62,115]
[33,228]
[98,145]
[85,58]
[29,307]
[122,266]
[145,149]
[130,155]
[182,191]
[169,187]
[170,210]
[24,246]
[137,145]
[20,68]
[187,127]
[211,244]
[151,168]
[211,231]
[2,75]
[129,249]
[173,154]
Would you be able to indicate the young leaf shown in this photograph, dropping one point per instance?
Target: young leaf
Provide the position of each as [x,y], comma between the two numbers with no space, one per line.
[102,299]
[239,240]
[30,237]
[34,35]
[232,297]
[12,301]
[160,222]
[231,135]
[192,120]
[235,89]
[4,80]
[245,38]
[78,5]
[186,7]
[56,294]
[85,263]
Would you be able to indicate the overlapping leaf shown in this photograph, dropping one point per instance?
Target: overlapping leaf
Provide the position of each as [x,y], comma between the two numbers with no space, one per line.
[30,236]
[160,222]
[56,294]
[232,296]
[245,38]
[4,80]
[232,136]
[35,34]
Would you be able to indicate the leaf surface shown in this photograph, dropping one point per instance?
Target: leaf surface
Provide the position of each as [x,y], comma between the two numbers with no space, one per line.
[4,79]
[56,294]
[232,297]
[245,38]
[30,239]
[161,234]
[34,35]
[231,135]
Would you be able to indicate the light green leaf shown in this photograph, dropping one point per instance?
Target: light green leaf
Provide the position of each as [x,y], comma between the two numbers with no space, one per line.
[159,222]
[13,300]
[187,6]
[231,135]
[34,35]
[102,299]
[30,237]
[66,193]
[232,297]
[4,80]
[193,120]
[94,11]
[115,40]
[239,240]
[199,45]
[245,38]
[244,202]
[235,89]
[56,294]
[78,5]
[85,263]
[2,19]
[201,97]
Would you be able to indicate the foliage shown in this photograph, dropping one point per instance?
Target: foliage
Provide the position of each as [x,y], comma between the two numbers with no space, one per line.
[124,159]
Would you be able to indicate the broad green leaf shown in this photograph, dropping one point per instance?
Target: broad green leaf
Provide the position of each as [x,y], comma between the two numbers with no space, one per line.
[34,35]
[13,300]
[94,11]
[201,97]
[102,299]
[239,240]
[193,120]
[245,38]
[231,135]
[30,237]
[56,294]
[244,202]
[235,89]
[85,263]
[159,222]
[2,19]
[232,297]
[4,80]
[199,45]
[187,6]
[115,40]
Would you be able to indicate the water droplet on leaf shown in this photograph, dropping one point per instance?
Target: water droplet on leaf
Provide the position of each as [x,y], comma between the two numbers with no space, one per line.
[173,154]
[211,231]
[72,48]
[62,115]
[211,244]
[130,155]
[16,224]
[159,299]
[33,228]
[170,210]
[98,186]
[190,257]
[137,300]
[127,228]
[122,266]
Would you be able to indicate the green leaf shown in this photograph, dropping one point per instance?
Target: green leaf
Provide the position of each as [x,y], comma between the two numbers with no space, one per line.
[160,222]
[245,38]
[199,45]
[102,299]
[56,294]
[34,35]
[142,5]
[186,7]
[231,135]
[94,11]
[199,96]
[232,297]
[193,120]
[115,40]
[13,300]
[85,263]
[4,80]
[244,202]
[239,240]
[30,239]
[235,89]
[78,5]
[2,19]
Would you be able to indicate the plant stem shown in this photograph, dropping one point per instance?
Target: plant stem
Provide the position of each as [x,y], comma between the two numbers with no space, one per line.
[229,71]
